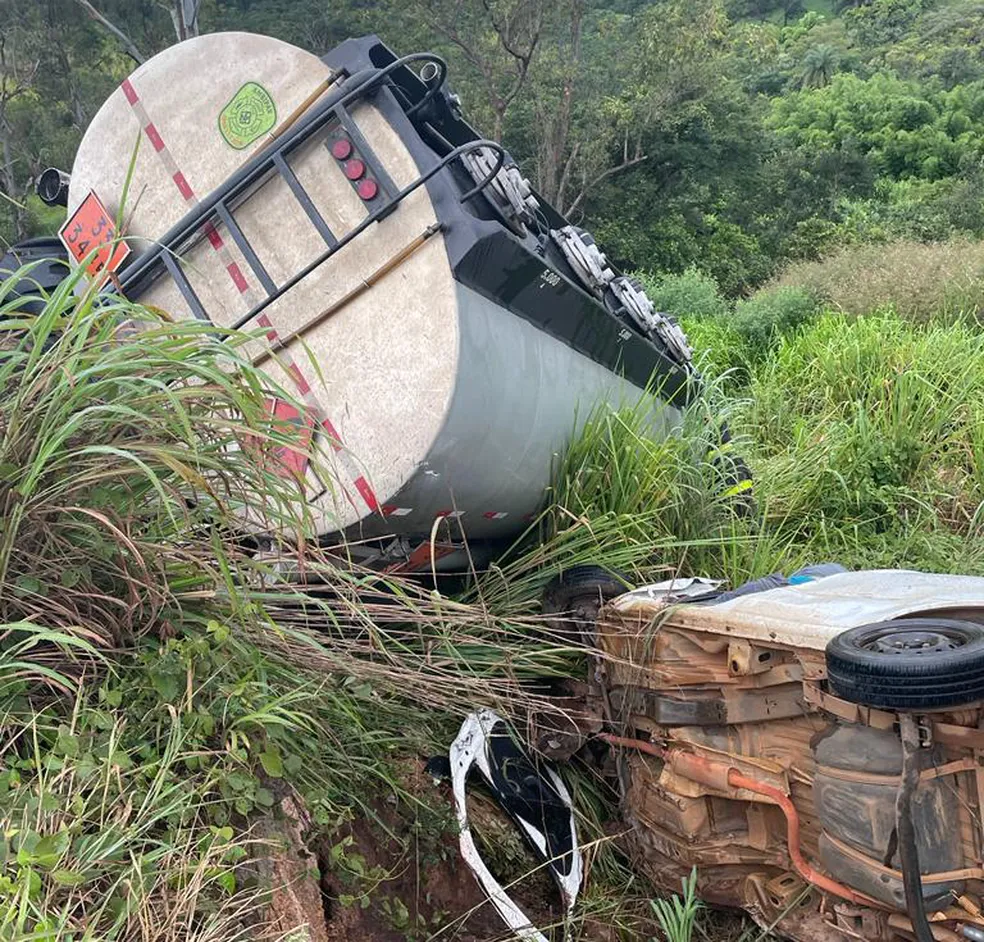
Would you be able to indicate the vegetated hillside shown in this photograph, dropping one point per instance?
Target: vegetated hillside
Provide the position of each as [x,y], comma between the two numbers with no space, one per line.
[179,745]
[734,135]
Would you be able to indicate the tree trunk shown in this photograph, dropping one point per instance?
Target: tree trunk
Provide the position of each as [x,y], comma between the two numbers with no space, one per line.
[184,15]
[8,179]
[556,153]
[129,47]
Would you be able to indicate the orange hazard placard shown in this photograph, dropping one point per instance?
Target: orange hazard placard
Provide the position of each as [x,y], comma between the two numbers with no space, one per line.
[90,237]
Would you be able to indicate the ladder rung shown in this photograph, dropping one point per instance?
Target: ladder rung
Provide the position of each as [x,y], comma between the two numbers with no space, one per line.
[303,197]
[172,264]
[251,257]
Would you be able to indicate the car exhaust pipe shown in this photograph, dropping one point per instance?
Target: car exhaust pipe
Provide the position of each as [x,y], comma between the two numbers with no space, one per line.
[52,187]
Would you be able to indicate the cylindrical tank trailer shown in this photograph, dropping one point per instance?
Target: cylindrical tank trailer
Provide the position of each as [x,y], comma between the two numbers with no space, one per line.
[446,328]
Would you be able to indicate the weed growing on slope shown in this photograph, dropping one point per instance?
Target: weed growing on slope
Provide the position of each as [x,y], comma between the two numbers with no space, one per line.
[922,281]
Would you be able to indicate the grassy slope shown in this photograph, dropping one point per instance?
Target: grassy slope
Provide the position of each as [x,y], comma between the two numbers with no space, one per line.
[158,703]
[865,435]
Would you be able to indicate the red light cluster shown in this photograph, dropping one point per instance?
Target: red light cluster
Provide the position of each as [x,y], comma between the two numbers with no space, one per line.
[354,168]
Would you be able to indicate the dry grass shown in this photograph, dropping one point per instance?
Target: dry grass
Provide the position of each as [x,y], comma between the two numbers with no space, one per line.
[917,279]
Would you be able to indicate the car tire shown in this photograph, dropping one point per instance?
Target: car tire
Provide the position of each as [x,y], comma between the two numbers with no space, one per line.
[909,664]
[571,601]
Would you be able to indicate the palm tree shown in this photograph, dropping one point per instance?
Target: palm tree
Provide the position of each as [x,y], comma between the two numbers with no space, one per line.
[819,66]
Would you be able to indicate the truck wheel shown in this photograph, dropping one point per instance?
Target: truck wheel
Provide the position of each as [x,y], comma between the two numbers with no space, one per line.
[571,601]
[909,664]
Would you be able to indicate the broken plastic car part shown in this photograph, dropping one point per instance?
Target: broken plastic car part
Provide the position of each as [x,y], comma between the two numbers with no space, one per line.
[533,795]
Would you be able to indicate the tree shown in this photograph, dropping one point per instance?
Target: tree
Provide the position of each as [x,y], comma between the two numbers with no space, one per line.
[128,45]
[792,9]
[580,119]
[19,63]
[183,15]
[819,66]
[498,39]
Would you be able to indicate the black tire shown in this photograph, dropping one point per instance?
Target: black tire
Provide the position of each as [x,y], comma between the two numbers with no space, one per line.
[571,601]
[909,664]
[581,582]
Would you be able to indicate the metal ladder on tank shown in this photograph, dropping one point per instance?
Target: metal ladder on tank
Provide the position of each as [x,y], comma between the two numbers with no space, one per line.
[218,209]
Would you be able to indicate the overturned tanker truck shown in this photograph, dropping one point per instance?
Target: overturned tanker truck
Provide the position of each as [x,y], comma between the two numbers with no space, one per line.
[444,325]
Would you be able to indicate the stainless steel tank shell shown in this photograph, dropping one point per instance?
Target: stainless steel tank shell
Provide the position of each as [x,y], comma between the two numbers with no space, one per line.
[434,399]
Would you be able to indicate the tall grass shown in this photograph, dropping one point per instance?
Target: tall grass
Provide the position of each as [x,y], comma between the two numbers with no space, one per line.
[865,437]
[122,467]
[160,689]
[921,281]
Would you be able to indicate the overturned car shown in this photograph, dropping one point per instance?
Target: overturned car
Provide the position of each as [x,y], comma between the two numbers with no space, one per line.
[815,750]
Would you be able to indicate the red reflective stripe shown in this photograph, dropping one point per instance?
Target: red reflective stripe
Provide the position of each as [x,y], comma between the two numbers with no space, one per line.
[182,184]
[303,387]
[155,137]
[213,236]
[362,486]
[237,277]
[264,322]
[336,439]
[129,91]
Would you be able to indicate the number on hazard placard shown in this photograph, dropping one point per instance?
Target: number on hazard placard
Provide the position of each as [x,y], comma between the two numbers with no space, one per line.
[90,237]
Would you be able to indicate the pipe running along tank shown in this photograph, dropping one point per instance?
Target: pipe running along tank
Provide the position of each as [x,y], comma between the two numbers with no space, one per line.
[445,327]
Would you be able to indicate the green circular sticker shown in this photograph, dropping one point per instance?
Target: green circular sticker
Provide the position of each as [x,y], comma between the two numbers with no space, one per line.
[249,115]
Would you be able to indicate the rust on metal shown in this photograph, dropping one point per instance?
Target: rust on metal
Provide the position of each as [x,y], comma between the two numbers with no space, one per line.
[723,709]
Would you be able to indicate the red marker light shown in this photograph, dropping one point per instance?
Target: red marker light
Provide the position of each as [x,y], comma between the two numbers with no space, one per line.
[355,169]
[341,149]
[367,188]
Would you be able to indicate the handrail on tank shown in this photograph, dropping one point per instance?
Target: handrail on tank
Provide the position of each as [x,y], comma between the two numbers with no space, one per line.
[379,213]
[188,227]
[262,163]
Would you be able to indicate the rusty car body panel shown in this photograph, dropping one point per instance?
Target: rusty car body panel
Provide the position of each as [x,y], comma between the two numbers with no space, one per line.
[780,793]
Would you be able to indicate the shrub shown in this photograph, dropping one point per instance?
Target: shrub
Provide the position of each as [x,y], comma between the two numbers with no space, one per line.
[691,293]
[768,314]
[916,279]
[719,350]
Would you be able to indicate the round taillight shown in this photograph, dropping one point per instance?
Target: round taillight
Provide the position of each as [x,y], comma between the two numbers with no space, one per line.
[354,169]
[367,188]
[341,149]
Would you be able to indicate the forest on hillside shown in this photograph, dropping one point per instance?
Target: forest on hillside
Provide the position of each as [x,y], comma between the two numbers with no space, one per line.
[731,135]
